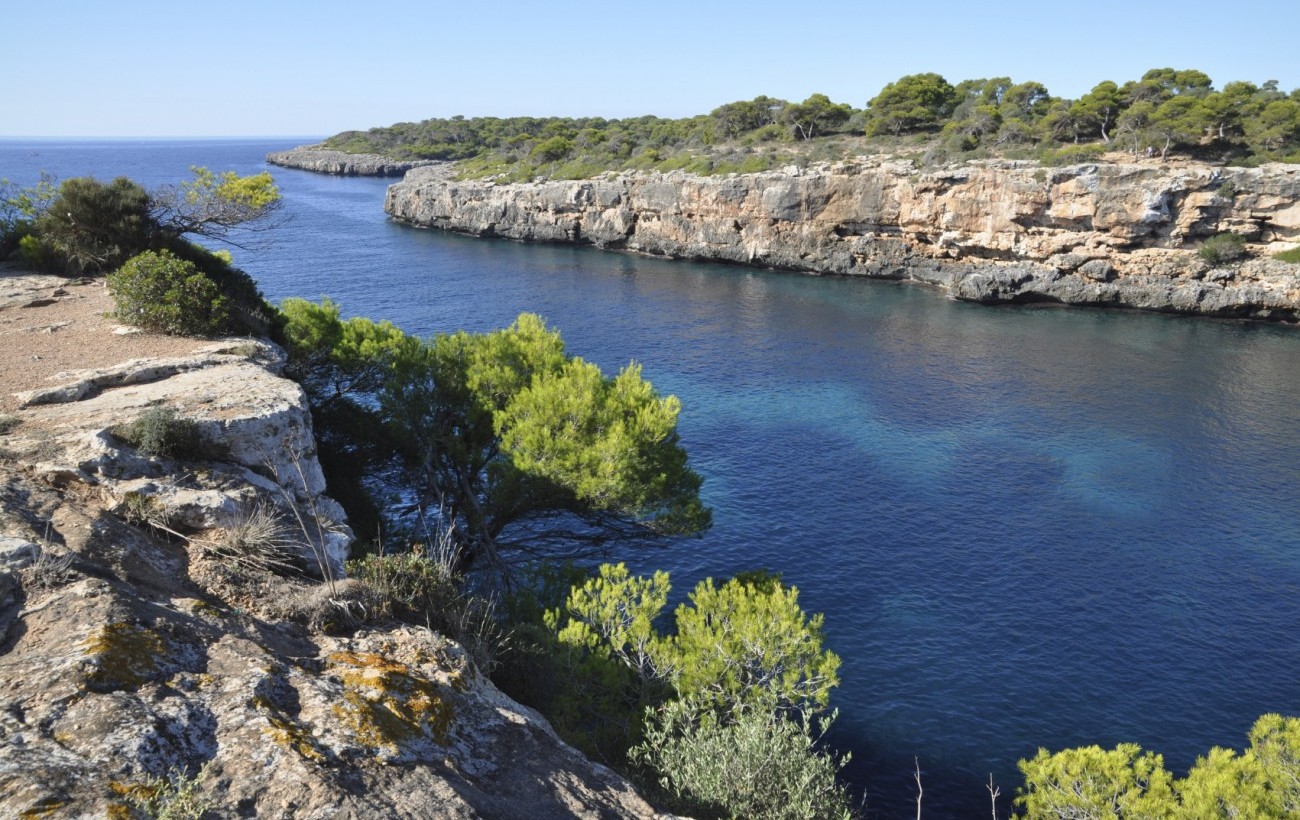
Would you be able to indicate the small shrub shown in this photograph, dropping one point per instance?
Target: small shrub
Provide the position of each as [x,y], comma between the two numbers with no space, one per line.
[255,538]
[1228,190]
[1072,154]
[177,796]
[49,570]
[141,510]
[93,227]
[8,423]
[1292,256]
[1223,248]
[338,607]
[160,292]
[424,590]
[753,765]
[160,433]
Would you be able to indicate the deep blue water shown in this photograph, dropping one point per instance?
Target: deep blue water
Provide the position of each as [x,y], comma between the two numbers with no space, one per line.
[1026,526]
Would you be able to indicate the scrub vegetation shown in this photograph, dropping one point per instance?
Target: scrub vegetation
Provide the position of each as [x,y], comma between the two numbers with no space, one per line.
[1167,113]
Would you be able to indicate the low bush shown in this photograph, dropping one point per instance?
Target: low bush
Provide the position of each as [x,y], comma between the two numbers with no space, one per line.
[754,765]
[255,538]
[1223,248]
[1072,154]
[161,292]
[91,227]
[424,590]
[160,433]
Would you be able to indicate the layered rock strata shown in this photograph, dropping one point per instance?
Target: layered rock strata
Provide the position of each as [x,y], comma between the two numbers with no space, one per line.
[990,231]
[326,161]
[147,647]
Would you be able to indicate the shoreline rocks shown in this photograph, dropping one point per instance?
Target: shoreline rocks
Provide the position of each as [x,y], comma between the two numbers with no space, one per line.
[325,161]
[987,231]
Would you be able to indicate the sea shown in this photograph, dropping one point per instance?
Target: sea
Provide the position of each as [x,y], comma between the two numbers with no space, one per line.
[1026,526]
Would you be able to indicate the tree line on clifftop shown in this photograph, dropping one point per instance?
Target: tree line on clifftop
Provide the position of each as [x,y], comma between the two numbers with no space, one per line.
[1166,113]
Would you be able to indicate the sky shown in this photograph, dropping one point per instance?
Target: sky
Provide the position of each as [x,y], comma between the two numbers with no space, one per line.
[86,68]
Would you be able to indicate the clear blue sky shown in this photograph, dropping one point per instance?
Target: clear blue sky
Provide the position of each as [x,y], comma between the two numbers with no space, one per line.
[290,67]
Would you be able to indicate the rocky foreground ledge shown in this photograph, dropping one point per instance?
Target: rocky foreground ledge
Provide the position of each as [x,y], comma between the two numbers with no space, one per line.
[324,161]
[138,638]
[986,231]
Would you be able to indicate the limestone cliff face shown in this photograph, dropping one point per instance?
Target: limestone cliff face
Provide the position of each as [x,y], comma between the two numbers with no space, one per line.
[326,161]
[994,231]
[138,637]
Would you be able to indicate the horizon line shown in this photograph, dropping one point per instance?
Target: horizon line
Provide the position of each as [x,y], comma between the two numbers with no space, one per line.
[19,137]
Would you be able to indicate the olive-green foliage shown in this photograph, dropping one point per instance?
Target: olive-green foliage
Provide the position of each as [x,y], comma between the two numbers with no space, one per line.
[502,429]
[159,292]
[161,433]
[423,589]
[178,796]
[1222,248]
[1292,256]
[1072,154]
[753,765]
[1089,782]
[91,227]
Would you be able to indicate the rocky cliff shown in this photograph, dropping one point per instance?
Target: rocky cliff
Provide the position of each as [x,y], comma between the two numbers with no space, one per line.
[989,231]
[143,637]
[324,161]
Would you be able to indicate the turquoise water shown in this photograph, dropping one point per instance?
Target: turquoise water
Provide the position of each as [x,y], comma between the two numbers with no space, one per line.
[1026,526]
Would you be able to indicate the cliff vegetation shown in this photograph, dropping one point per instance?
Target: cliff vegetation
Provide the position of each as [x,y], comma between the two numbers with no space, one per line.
[1166,113]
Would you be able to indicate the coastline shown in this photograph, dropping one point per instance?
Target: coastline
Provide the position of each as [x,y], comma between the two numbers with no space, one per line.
[338,163]
[991,232]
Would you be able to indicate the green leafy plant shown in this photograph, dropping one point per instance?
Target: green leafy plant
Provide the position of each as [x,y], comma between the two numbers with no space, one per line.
[92,227]
[753,765]
[423,588]
[160,292]
[176,796]
[524,449]
[1223,248]
[742,646]
[1090,782]
[159,432]
[19,209]
[1072,154]
[1292,256]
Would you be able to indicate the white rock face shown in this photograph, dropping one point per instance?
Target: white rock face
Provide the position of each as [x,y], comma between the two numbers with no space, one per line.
[256,419]
[987,231]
